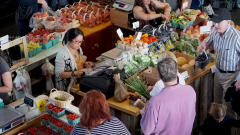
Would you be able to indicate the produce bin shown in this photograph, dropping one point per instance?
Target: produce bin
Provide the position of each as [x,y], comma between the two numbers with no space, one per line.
[45,122]
[52,125]
[40,131]
[55,41]
[38,50]
[182,26]
[47,46]
[73,122]
[58,115]
[60,130]
[48,110]
[175,24]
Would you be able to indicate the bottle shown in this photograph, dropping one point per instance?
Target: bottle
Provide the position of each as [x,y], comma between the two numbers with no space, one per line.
[1,103]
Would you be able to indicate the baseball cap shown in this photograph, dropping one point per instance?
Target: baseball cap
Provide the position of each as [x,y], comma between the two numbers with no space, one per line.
[221,15]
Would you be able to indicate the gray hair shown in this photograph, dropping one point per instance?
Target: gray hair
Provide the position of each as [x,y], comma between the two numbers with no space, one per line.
[167,69]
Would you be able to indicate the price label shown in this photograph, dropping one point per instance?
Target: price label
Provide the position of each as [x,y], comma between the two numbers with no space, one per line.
[185,5]
[139,35]
[41,105]
[135,25]
[185,75]
[120,34]
[50,101]
[205,29]
[209,23]
[4,40]
[213,69]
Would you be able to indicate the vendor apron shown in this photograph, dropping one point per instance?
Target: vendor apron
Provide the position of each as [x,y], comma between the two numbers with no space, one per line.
[79,62]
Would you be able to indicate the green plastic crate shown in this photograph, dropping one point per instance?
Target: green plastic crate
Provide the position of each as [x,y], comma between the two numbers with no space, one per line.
[47,46]
[182,26]
[38,50]
[55,41]
[58,115]
[73,122]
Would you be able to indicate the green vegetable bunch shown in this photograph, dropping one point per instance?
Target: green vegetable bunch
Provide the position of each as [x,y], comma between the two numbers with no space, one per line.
[138,85]
[187,47]
[179,46]
[184,37]
[174,37]
[195,43]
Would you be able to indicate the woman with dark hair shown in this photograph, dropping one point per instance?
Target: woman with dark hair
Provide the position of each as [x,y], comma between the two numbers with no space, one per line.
[96,118]
[147,12]
[69,60]
[5,79]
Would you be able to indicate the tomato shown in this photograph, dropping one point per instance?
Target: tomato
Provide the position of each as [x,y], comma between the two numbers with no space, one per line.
[69,128]
[58,109]
[42,127]
[72,116]
[54,121]
[61,124]
[50,106]
[32,131]
[47,117]
[48,131]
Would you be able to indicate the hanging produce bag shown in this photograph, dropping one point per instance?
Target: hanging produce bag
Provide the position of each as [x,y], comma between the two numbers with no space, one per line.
[120,92]
[20,87]
[48,71]
[26,76]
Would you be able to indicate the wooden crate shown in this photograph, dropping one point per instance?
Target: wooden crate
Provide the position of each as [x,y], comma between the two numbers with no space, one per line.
[21,62]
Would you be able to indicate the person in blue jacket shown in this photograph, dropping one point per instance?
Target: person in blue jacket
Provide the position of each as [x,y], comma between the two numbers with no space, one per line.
[25,10]
[218,123]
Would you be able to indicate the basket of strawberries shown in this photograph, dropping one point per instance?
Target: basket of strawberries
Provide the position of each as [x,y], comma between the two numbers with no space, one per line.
[49,108]
[46,118]
[32,131]
[53,122]
[60,126]
[58,112]
[73,119]
[68,129]
[48,131]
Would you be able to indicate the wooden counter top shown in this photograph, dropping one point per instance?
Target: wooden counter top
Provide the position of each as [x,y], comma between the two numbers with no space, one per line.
[123,106]
[205,71]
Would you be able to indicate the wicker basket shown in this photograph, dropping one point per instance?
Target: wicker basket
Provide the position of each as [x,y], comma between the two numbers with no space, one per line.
[63,95]
[195,12]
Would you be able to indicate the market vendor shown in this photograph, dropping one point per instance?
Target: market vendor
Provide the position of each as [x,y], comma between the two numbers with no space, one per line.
[5,79]
[226,42]
[147,12]
[24,12]
[69,63]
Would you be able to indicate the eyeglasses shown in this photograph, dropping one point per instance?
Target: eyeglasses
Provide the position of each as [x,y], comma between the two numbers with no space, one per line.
[78,42]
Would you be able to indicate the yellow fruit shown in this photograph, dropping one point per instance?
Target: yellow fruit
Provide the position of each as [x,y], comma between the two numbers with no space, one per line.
[192,63]
[185,66]
[181,61]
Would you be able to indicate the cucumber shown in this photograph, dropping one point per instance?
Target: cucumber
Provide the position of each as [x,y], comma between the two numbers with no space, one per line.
[57,98]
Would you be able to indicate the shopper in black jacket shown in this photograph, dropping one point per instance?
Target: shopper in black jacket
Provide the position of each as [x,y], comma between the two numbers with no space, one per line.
[218,123]
[29,7]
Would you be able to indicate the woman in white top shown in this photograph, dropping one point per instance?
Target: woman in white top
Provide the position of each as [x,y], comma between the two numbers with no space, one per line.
[159,85]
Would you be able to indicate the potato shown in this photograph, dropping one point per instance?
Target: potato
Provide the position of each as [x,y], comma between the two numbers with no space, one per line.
[191,63]
[185,66]
[181,61]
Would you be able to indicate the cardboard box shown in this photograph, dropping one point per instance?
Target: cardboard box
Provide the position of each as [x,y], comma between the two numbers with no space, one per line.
[151,74]
[193,70]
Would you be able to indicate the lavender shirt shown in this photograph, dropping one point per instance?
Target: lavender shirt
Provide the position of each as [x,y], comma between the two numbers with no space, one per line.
[170,112]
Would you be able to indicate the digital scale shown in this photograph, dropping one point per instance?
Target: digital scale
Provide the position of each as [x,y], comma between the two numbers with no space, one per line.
[126,5]
[10,118]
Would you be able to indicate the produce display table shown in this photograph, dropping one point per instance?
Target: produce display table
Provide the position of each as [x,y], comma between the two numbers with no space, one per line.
[125,112]
[39,59]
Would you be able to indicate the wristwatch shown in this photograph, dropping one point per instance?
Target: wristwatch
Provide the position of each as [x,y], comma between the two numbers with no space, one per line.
[73,74]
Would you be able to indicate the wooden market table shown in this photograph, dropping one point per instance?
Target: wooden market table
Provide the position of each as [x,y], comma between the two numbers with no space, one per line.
[129,114]
[92,47]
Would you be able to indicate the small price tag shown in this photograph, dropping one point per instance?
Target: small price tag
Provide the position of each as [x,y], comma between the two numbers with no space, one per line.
[50,101]
[213,69]
[185,75]
[41,105]
[120,34]
[139,35]
[185,5]
[4,40]
[209,23]
[135,25]
[205,29]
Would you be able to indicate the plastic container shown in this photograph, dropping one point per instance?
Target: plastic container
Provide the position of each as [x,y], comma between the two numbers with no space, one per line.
[55,41]
[60,130]
[40,131]
[190,22]
[1,103]
[52,125]
[175,24]
[58,115]
[45,122]
[48,110]
[47,46]
[182,26]
[73,122]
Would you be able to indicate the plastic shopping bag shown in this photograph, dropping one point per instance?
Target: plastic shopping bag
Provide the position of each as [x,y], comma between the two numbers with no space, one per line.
[120,92]
[26,76]
[20,87]
[48,71]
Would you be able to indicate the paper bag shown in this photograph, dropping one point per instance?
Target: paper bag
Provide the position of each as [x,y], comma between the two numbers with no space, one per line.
[120,92]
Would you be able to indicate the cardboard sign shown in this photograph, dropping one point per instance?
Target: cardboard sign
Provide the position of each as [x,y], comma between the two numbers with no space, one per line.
[135,25]
[139,35]
[41,105]
[4,40]
[205,29]
[213,69]
[120,34]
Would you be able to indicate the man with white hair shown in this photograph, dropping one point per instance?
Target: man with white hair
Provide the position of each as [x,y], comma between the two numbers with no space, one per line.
[226,42]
